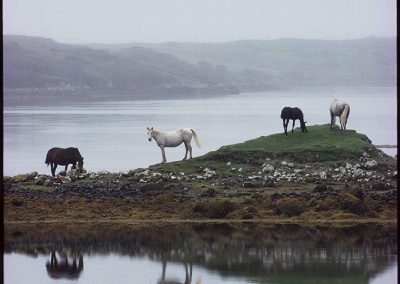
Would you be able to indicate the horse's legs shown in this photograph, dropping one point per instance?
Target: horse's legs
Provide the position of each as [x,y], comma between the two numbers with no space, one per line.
[293,125]
[186,151]
[163,154]
[284,126]
[53,169]
[66,167]
[332,120]
[190,150]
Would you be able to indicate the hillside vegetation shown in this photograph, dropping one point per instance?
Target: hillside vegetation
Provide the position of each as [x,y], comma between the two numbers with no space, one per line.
[319,145]
[40,65]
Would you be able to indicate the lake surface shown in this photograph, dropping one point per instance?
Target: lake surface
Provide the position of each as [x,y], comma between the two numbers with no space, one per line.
[111,135]
[202,253]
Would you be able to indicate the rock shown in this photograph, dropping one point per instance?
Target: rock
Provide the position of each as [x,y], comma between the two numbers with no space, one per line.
[62,173]
[39,180]
[290,165]
[380,186]
[371,164]
[228,164]
[136,171]
[267,168]
[25,177]
[320,188]
[151,187]
[66,179]
[275,196]
[240,169]
[47,182]
[211,192]
[322,175]
[8,179]
[209,173]
[284,163]
[247,184]
[297,171]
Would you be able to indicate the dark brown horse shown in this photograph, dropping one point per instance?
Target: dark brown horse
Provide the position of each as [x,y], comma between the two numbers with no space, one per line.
[293,114]
[64,157]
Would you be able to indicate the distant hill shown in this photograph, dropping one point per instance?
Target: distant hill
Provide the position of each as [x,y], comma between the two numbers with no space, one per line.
[368,61]
[34,64]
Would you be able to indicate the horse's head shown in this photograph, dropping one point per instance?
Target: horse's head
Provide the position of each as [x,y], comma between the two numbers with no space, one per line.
[80,164]
[78,159]
[303,126]
[150,133]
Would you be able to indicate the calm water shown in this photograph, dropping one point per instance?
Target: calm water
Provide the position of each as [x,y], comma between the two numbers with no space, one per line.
[204,253]
[112,135]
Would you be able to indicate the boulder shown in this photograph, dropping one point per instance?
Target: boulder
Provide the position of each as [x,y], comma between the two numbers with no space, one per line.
[267,168]
[209,173]
[370,164]
[26,177]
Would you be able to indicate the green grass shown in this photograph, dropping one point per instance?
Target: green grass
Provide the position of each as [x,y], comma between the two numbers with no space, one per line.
[318,145]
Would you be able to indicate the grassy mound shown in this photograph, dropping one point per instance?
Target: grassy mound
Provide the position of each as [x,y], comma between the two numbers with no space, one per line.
[318,145]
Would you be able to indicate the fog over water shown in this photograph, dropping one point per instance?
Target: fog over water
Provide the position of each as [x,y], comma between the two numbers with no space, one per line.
[123,21]
[112,135]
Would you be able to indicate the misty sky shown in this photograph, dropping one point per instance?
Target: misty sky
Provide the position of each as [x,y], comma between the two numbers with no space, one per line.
[123,21]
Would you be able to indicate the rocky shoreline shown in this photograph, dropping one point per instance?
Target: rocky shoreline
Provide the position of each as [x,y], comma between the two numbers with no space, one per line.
[276,189]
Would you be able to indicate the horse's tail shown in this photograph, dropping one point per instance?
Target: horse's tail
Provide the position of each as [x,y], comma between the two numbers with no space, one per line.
[345,114]
[196,138]
[47,162]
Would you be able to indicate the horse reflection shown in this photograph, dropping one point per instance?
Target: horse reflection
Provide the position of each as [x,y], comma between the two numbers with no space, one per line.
[188,275]
[63,269]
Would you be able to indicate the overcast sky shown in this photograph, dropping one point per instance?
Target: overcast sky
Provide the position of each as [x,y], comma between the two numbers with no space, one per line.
[123,21]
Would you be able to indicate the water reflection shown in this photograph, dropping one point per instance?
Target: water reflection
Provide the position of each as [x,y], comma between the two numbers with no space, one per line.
[188,274]
[58,268]
[214,253]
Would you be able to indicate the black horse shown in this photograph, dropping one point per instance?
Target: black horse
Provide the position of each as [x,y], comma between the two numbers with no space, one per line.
[64,157]
[293,113]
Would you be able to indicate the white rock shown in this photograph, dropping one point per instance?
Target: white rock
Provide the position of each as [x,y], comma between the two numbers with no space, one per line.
[228,164]
[290,165]
[268,168]
[371,164]
[284,163]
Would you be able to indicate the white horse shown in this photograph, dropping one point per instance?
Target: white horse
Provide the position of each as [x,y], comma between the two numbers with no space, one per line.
[341,109]
[173,139]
